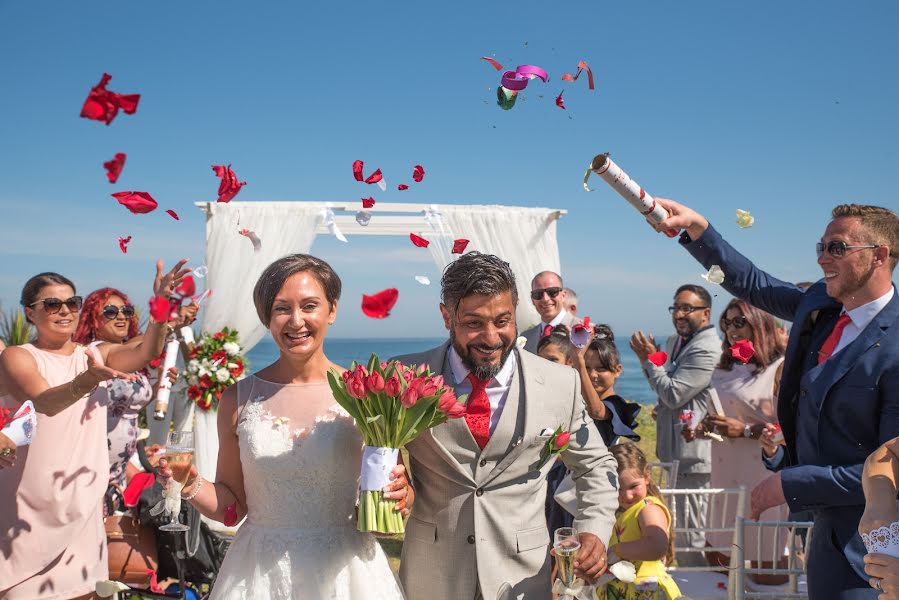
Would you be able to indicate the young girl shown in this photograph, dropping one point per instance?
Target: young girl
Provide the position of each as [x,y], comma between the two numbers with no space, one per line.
[600,367]
[642,533]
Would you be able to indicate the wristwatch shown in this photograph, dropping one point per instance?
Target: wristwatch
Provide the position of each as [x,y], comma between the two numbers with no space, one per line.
[747,431]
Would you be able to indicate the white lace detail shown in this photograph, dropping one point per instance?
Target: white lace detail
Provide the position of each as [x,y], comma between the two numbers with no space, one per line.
[883,540]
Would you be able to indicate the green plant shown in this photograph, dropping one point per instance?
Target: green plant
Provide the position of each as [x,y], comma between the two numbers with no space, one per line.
[14,329]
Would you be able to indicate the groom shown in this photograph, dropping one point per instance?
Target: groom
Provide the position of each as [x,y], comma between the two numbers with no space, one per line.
[478,520]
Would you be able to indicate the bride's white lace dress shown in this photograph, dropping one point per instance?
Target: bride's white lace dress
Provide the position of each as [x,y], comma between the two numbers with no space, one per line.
[300,474]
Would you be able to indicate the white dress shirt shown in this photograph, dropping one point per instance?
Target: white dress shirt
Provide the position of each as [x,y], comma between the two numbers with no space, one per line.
[558,319]
[497,389]
[861,317]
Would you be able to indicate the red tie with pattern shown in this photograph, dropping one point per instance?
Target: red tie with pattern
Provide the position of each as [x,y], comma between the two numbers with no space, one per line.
[547,329]
[834,338]
[477,413]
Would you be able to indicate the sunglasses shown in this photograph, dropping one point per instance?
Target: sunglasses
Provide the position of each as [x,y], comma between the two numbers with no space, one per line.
[552,292]
[54,305]
[736,322]
[111,312]
[838,249]
[684,308]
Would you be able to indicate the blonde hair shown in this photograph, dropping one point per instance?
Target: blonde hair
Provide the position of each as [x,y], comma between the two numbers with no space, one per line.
[881,225]
[630,457]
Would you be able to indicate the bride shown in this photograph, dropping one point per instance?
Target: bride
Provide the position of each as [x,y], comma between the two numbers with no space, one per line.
[289,460]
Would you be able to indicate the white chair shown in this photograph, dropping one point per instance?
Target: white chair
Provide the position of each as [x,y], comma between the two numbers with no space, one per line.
[664,474]
[716,505]
[796,586]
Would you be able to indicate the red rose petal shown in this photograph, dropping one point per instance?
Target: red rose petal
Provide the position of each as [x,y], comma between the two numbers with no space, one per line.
[123,244]
[251,235]
[418,240]
[230,519]
[658,358]
[495,64]
[357,170]
[742,351]
[173,214]
[103,105]
[374,177]
[418,173]
[188,287]
[160,309]
[114,167]
[136,202]
[368,202]
[560,102]
[402,187]
[459,245]
[581,66]
[379,305]
[229,186]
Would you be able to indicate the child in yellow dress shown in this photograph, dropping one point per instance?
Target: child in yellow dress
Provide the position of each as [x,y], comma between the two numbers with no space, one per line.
[642,533]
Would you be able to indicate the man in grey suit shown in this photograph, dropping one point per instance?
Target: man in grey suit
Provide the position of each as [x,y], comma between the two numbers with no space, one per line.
[549,298]
[478,528]
[682,383]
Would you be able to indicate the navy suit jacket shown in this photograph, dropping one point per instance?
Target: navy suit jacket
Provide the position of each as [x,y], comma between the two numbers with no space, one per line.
[835,414]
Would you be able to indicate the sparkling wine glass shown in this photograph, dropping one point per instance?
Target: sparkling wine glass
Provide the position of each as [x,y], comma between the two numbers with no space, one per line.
[179,454]
[566,544]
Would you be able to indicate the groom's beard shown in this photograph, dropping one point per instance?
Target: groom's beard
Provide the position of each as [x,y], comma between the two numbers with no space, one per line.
[486,371]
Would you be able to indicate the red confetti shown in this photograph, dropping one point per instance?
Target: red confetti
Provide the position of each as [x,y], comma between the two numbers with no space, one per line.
[459,245]
[402,187]
[581,66]
[368,202]
[379,305]
[123,244]
[172,214]
[742,351]
[114,167]
[418,240]
[136,202]
[229,186]
[418,173]
[585,325]
[495,64]
[374,177]
[658,358]
[188,287]
[103,105]
[357,170]
[160,309]
[4,416]
[560,102]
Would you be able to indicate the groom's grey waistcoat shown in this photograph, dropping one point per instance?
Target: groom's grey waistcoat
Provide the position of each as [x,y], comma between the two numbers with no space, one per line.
[478,516]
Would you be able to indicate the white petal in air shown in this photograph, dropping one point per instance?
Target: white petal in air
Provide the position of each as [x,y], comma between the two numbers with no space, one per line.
[422,279]
[200,272]
[715,275]
[363,217]
[744,219]
[383,185]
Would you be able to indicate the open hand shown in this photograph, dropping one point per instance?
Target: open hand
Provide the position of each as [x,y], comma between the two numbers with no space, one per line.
[399,489]
[643,345]
[100,372]
[165,284]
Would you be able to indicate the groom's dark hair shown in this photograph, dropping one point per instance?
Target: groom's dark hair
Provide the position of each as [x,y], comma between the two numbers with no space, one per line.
[476,273]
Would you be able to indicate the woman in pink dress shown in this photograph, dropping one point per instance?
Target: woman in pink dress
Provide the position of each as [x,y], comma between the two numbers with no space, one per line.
[52,538]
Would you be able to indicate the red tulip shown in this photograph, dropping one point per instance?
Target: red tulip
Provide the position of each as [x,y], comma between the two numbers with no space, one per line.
[374,383]
[409,397]
[408,375]
[424,386]
[455,411]
[393,387]
[346,375]
[447,400]
[561,440]
[355,386]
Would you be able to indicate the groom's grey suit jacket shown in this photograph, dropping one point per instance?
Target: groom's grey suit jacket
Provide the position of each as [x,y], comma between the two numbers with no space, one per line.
[478,519]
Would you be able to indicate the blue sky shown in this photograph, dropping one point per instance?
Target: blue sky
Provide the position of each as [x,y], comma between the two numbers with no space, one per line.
[781,109]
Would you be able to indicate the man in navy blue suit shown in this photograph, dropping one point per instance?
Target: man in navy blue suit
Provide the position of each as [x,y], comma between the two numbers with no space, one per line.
[839,393]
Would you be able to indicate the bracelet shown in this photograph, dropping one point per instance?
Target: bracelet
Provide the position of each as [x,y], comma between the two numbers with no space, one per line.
[198,484]
[75,393]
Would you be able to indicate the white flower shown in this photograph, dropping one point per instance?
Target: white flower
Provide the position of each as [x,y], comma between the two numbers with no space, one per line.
[201,372]
[223,375]
[715,275]
[744,219]
[231,348]
[521,341]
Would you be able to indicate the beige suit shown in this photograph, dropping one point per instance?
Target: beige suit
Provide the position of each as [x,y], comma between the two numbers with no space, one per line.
[534,334]
[478,519]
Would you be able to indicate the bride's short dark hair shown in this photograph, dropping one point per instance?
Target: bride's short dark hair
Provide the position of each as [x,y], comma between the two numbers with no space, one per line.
[272,280]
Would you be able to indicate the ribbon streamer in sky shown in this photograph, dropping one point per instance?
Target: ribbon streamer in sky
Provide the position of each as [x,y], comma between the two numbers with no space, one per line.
[514,81]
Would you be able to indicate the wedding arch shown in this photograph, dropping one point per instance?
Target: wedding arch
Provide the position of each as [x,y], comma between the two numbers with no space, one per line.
[525,237]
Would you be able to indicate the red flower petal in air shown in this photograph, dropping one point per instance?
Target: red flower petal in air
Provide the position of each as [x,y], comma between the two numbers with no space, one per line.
[402,187]
[459,245]
[379,305]
[160,309]
[357,170]
[418,173]
[229,186]
[374,177]
[136,202]
[103,105]
[495,64]
[123,244]
[560,102]
[581,67]
[188,287]
[658,358]
[742,351]
[172,214]
[114,167]
[418,240]
[368,202]
[230,519]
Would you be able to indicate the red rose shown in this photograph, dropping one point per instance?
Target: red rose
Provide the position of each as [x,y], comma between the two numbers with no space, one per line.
[356,387]
[237,371]
[561,440]
[204,403]
[219,336]
[219,356]
[193,392]
[658,358]
[393,387]
[409,397]
[742,351]
[206,382]
[195,352]
[218,394]
[374,383]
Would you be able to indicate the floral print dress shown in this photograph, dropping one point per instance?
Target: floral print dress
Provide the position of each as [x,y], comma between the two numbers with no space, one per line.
[126,400]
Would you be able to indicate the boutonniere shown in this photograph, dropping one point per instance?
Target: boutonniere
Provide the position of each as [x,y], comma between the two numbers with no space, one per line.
[555,445]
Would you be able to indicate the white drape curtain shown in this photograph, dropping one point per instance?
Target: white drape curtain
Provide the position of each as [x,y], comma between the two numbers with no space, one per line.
[524,237]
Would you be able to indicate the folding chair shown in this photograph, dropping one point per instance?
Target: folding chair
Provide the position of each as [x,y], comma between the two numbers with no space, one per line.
[664,474]
[795,568]
[707,582]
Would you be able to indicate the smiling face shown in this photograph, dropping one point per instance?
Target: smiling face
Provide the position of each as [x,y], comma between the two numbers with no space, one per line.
[734,317]
[301,316]
[548,307]
[848,278]
[58,325]
[482,331]
[602,379]
[113,330]
[688,323]
[632,487]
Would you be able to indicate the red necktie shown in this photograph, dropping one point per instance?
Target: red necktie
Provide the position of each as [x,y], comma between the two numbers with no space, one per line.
[547,329]
[477,414]
[834,338]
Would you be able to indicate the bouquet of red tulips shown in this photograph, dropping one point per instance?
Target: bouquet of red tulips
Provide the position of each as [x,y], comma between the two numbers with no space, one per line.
[392,404]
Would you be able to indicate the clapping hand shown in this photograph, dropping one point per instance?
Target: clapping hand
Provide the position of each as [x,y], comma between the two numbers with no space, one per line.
[643,345]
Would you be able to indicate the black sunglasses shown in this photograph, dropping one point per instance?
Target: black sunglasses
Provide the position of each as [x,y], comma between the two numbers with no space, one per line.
[111,311]
[737,322]
[552,292]
[838,249]
[684,308]
[54,305]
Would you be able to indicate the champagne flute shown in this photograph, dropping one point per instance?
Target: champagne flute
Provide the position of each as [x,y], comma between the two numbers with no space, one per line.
[566,545]
[179,454]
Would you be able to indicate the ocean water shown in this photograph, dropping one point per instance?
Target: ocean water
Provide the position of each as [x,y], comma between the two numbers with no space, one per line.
[631,385]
